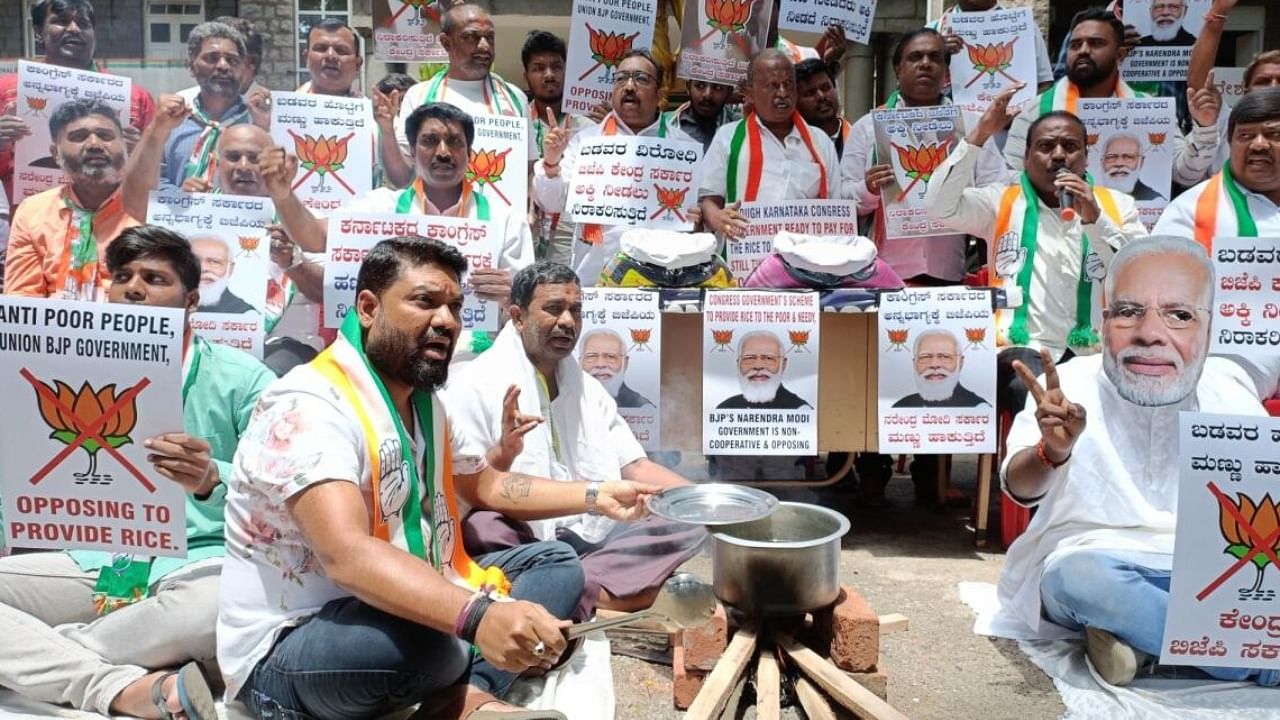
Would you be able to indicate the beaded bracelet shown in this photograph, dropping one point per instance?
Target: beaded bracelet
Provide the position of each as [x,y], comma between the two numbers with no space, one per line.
[1044,457]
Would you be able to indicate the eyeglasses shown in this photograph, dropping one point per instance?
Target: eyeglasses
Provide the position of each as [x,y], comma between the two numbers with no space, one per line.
[1174,317]
[641,78]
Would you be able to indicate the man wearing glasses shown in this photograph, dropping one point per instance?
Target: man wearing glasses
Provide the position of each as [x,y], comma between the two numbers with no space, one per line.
[1096,450]
[634,111]
[938,362]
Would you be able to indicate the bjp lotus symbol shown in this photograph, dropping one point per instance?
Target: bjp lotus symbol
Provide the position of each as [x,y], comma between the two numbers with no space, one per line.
[486,168]
[640,338]
[919,162]
[898,339]
[670,200]
[722,339]
[1091,139]
[991,59]
[977,337]
[68,412]
[36,105]
[799,340]
[1252,528]
[322,155]
[249,245]
[429,8]
[726,17]
[1157,139]
[607,49]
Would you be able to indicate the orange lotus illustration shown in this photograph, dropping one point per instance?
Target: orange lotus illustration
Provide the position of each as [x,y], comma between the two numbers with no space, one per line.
[66,412]
[799,340]
[486,168]
[1092,139]
[991,59]
[1156,139]
[897,338]
[640,338]
[670,200]
[322,155]
[976,336]
[722,339]
[726,17]
[249,244]
[607,48]
[1264,519]
[919,161]
[36,105]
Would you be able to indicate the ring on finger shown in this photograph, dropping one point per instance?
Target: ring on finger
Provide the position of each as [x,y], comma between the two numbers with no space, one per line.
[540,649]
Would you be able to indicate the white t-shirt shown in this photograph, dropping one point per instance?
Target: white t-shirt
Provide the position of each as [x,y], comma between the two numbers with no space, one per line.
[491,96]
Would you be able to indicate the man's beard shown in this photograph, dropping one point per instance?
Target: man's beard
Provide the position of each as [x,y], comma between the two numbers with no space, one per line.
[211,294]
[1089,74]
[1165,33]
[760,391]
[399,356]
[1149,391]
[937,390]
[610,379]
[1124,180]
[93,172]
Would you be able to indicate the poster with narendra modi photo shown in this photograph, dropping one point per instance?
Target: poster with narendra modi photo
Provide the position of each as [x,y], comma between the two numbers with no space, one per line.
[1226,550]
[760,373]
[1131,149]
[937,371]
[621,346]
[601,34]
[1167,30]
[408,30]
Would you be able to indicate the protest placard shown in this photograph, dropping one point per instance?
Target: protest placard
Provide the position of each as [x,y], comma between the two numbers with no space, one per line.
[408,30]
[601,34]
[352,234]
[1131,148]
[499,167]
[914,141]
[86,384]
[937,371]
[1168,30]
[638,181]
[333,138]
[765,220]
[718,38]
[999,51]
[42,89]
[1230,82]
[1222,596]
[621,346]
[760,373]
[228,233]
[1246,312]
[815,16]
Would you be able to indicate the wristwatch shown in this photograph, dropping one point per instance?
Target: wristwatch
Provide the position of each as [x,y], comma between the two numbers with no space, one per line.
[593,492]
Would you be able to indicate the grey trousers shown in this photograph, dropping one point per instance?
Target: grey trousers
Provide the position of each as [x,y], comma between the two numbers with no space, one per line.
[55,649]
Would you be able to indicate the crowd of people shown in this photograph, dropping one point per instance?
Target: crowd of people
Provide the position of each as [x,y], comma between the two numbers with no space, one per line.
[360,514]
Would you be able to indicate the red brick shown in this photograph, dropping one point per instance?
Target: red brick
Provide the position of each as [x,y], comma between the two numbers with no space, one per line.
[705,644]
[685,683]
[855,641]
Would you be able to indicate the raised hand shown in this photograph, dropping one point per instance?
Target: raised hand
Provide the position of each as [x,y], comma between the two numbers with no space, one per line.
[878,176]
[171,110]
[259,102]
[555,141]
[195,184]
[1205,104]
[277,169]
[952,42]
[492,284]
[996,117]
[726,221]
[834,45]
[515,425]
[12,127]
[1061,421]
[385,109]
[599,112]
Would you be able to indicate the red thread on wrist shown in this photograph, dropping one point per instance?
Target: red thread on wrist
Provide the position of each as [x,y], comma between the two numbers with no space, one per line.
[1044,457]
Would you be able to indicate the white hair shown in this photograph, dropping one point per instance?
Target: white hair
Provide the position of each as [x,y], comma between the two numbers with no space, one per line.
[1125,135]
[1162,245]
[603,331]
[216,238]
[936,332]
[760,333]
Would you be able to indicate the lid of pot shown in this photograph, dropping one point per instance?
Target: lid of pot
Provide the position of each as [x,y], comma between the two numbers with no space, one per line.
[713,504]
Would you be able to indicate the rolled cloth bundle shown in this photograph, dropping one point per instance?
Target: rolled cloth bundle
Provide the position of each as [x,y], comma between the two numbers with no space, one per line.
[813,261]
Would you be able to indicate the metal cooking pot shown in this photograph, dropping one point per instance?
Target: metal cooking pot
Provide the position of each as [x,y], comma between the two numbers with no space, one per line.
[785,564]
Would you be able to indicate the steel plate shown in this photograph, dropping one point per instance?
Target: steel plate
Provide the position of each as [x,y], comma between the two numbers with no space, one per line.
[713,504]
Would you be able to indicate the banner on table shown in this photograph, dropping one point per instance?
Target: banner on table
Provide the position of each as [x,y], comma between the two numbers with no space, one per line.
[353,234]
[826,218]
[601,34]
[815,16]
[1230,82]
[937,371]
[719,37]
[333,138]
[499,167]
[760,373]
[999,50]
[86,384]
[1226,569]
[1246,316]
[408,30]
[229,235]
[1131,148]
[42,89]
[1168,30]
[621,346]
[638,181]
[914,141]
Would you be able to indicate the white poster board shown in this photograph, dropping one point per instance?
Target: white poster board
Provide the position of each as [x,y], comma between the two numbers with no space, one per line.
[333,138]
[621,346]
[408,31]
[229,235]
[499,166]
[1131,149]
[601,34]
[1246,312]
[1226,570]
[999,51]
[635,181]
[915,141]
[353,234]
[937,371]
[829,218]
[1168,30]
[1230,82]
[42,89]
[815,16]
[86,384]
[718,38]
[760,373]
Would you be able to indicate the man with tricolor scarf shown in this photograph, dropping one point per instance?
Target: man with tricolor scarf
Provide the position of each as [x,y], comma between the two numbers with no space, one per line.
[1240,200]
[1095,48]
[125,635]
[770,155]
[347,590]
[1049,257]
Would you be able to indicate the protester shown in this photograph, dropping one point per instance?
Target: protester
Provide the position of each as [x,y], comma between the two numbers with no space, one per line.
[1094,51]
[707,110]
[954,43]
[794,162]
[331,607]
[938,360]
[569,429]
[635,111]
[333,59]
[1025,223]
[66,29]
[818,102]
[105,633]
[1096,451]
[247,72]
[59,237]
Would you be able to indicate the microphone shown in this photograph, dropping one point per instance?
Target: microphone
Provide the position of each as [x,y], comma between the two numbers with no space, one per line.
[1065,211]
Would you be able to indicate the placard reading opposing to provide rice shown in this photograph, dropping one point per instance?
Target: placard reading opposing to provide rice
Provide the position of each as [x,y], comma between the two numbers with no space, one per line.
[1246,311]
[499,165]
[601,33]
[815,16]
[621,346]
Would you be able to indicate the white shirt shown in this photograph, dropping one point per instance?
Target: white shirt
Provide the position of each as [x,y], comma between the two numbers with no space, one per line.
[940,257]
[1056,267]
[788,171]
[474,97]
[552,195]
[1119,491]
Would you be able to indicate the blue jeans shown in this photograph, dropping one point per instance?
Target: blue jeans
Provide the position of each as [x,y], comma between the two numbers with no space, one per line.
[1103,590]
[352,660]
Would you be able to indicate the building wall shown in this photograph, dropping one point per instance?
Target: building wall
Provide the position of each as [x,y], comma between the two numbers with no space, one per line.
[275,20]
[12,27]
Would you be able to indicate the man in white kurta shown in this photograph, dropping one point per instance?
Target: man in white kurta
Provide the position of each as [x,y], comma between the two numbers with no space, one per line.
[1096,450]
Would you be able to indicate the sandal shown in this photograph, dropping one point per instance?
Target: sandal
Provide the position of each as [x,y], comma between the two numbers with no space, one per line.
[193,693]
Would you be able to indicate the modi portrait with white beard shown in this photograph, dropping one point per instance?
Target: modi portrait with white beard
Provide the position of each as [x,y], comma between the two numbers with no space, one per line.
[1166,24]
[1123,155]
[762,363]
[603,356]
[217,264]
[938,361]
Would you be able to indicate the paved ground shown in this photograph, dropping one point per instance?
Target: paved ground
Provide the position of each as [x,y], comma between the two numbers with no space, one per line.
[903,559]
